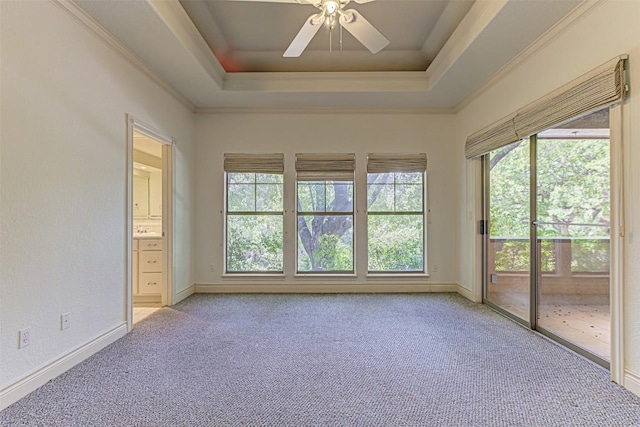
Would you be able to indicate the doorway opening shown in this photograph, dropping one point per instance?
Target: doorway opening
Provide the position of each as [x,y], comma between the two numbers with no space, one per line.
[547,249]
[149,222]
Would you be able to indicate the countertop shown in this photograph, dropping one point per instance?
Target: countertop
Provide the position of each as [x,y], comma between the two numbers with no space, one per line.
[147,235]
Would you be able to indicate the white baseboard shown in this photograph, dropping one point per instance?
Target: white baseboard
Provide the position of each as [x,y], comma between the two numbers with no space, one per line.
[328,288]
[465,292]
[19,389]
[185,293]
[632,382]
[155,298]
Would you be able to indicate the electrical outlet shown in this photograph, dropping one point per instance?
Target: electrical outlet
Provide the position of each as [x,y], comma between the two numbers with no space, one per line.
[24,337]
[212,268]
[64,321]
[435,268]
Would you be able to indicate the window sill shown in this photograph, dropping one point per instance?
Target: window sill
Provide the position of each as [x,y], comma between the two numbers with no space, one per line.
[397,275]
[241,276]
[325,275]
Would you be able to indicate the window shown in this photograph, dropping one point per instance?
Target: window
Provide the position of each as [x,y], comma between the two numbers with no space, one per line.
[254,213]
[325,213]
[396,212]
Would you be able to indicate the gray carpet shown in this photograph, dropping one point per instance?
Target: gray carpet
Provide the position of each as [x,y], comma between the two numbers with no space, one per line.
[329,360]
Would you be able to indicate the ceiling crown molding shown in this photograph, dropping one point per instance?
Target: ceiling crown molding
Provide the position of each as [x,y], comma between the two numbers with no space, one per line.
[86,21]
[176,19]
[321,110]
[379,81]
[186,67]
[479,17]
[472,25]
[572,18]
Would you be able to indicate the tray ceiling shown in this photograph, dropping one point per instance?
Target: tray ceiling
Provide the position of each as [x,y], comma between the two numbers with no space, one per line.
[252,36]
[228,54]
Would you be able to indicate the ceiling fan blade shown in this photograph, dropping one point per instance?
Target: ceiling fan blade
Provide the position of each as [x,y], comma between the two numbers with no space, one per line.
[362,1]
[306,33]
[362,30]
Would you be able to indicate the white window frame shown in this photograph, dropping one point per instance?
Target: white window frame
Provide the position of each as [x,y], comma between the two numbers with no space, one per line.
[227,214]
[351,213]
[326,167]
[424,213]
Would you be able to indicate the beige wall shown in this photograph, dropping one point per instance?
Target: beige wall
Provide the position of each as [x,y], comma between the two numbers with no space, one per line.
[358,133]
[65,95]
[607,30]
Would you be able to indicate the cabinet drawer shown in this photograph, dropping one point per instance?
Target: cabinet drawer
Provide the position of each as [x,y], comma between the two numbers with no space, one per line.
[150,283]
[150,262]
[150,244]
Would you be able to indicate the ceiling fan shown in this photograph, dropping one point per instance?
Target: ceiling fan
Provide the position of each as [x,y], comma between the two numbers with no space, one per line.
[333,12]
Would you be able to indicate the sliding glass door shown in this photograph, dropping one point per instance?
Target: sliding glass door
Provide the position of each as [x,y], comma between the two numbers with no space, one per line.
[572,228]
[549,196]
[508,251]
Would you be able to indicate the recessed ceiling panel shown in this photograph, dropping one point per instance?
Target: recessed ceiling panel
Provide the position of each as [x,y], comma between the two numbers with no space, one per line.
[440,51]
[251,36]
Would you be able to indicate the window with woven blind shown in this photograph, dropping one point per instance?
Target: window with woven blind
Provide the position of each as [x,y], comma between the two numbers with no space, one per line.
[325,195]
[254,213]
[599,88]
[396,213]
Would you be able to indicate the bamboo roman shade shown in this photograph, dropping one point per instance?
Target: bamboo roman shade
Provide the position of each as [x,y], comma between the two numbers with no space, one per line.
[325,167]
[388,162]
[254,163]
[597,89]
[496,136]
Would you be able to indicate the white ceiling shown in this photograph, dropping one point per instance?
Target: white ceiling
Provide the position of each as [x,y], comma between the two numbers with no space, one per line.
[228,54]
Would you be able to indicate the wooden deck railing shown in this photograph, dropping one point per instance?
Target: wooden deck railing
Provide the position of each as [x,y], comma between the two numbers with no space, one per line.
[568,265]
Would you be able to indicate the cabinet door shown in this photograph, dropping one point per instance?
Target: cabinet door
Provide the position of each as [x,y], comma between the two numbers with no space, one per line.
[140,196]
[155,194]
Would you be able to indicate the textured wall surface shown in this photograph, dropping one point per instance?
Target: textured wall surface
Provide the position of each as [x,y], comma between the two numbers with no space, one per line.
[312,133]
[606,31]
[65,96]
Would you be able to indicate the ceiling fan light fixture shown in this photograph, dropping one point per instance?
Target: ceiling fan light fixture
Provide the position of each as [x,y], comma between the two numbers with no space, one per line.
[330,7]
[332,14]
[331,22]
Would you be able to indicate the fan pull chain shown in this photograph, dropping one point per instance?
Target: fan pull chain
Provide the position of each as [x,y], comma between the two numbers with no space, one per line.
[340,37]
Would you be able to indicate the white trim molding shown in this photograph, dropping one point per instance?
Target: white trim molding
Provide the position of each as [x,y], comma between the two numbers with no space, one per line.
[22,387]
[632,382]
[378,81]
[168,207]
[324,288]
[466,293]
[617,257]
[572,18]
[178,22]
[325,110]
[472,26]
[84,19]
[183,294]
